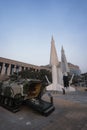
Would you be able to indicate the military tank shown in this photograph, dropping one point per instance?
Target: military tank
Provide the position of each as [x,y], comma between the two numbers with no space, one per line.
[29,92]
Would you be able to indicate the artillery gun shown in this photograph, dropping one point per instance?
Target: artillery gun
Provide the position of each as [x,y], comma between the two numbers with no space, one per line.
[15,93]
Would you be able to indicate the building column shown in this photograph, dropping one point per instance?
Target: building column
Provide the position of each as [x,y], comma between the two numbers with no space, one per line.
[9,69]
[20,68]
[3,69]
[0,69]
[24,68]
[17,69]
[14,68]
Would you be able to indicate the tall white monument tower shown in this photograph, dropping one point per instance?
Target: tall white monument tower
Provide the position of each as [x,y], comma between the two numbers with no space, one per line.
[65,68]
[64,64]
[57,71]
[54,63]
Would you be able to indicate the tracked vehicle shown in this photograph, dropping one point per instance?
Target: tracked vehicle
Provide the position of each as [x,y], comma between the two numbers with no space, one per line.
[29,92]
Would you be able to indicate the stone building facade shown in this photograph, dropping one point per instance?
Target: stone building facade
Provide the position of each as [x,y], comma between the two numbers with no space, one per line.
[8,66]
[74,69]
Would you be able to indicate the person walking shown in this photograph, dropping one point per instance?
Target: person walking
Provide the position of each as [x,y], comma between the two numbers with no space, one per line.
[65,82]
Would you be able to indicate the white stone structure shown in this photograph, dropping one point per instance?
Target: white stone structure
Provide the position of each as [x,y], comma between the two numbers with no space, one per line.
[57,71]
[54,63]
[64,65]
[65,68]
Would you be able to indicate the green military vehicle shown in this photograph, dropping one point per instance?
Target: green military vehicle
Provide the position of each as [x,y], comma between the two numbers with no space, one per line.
[29,92]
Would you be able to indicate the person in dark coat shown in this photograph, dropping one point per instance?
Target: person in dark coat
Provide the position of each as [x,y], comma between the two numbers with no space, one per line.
[65,80]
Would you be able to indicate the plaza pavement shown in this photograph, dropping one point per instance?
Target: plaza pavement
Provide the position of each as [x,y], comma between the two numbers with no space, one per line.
[70,114]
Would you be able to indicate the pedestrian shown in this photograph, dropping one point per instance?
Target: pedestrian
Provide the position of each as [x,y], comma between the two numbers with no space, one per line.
[65,80]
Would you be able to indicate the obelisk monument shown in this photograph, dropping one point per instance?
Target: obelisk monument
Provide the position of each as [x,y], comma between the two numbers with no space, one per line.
[57,71]
[54,63]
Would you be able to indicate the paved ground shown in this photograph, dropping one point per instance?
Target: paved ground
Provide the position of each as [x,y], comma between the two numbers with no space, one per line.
[70,114]
[79,97]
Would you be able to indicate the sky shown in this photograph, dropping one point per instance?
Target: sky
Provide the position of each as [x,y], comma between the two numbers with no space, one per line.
[27,26]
